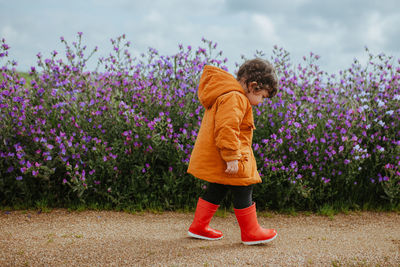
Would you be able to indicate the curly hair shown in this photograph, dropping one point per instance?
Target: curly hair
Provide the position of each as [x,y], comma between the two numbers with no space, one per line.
[260,71]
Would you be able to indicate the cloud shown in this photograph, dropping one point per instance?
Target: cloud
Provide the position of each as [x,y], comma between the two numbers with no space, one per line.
[333,29]
[336,30]
[265,28]
[392,33]
[12,34]
[374,33]
[268,7]
[380,31]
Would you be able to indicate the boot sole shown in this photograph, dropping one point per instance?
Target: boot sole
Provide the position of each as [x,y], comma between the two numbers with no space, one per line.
[203,237]
[260,241]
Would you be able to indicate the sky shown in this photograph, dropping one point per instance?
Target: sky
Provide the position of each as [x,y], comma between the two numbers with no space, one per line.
[338,31]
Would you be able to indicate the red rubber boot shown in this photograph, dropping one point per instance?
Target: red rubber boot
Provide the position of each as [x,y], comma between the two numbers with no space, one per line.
[202,217]
[252,233]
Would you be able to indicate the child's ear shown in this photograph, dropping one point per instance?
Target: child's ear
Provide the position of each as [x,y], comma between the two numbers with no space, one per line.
[252,86]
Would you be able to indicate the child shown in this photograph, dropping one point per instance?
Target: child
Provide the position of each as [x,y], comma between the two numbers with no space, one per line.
[222,154]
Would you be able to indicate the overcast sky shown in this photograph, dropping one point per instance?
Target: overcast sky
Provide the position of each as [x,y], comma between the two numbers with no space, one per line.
[336,30]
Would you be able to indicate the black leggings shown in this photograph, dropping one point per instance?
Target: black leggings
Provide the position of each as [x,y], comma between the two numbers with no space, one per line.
[242,195]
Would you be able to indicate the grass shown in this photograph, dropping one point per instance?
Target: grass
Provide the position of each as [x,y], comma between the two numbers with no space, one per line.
[222,213]
[266,214]
[291,211]
[43,205]
[328,209]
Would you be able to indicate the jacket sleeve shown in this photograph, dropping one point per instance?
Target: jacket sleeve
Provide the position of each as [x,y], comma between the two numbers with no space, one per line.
[228,118]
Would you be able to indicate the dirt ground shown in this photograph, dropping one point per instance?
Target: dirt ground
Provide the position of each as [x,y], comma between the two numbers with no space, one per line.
[106,238]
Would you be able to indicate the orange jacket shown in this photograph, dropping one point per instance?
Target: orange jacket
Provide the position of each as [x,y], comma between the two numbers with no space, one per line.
[226,131]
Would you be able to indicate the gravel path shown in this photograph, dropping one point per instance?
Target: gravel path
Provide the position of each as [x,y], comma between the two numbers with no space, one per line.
[91,238]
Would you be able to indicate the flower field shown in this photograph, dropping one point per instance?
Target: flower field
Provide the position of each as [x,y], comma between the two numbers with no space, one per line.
[121,135]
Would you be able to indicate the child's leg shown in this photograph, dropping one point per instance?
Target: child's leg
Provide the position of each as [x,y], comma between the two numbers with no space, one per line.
[242,196]
[206,207]
[215,193]
[245,211]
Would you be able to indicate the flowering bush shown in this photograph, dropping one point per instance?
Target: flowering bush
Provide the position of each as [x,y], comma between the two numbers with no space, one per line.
[329,139]
[123,134]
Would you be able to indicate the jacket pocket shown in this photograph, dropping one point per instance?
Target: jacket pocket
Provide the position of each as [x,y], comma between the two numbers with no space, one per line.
[244,166]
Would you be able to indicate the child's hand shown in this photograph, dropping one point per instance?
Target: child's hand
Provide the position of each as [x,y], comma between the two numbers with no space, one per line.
[232,167]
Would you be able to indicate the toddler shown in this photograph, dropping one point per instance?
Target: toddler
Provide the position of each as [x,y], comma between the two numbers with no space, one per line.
[223,153]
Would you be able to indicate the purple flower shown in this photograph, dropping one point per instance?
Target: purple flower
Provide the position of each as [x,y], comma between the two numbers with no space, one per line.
[325,180]
[293,164]
[256,146]
[19,178]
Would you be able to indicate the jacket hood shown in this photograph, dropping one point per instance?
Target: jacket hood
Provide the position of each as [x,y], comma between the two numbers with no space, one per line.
[215,82]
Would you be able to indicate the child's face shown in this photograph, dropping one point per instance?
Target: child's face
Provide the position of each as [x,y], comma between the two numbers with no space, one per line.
[255,97]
